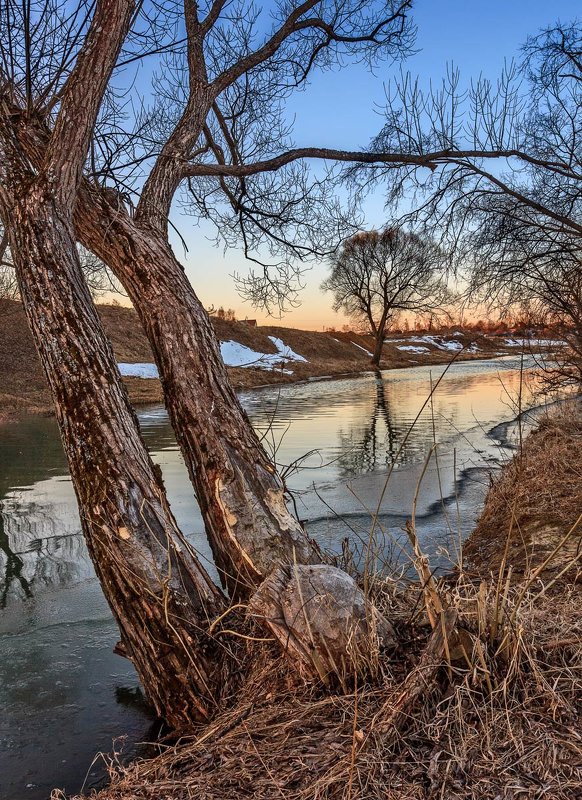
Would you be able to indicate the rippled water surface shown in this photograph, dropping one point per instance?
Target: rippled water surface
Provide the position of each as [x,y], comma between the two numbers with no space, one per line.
[64,695]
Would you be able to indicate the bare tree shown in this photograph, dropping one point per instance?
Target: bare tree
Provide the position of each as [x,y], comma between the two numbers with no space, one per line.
[513,141]
[507,197]
[377,275]
[158,592]
[526,270]
[67,165]
[215,121]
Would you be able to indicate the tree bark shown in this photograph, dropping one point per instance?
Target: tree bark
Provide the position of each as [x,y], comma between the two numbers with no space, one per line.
[160,595]
[378,347]
[241,496]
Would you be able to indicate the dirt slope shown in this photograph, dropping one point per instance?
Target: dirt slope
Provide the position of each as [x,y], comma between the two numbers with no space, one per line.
[23,387]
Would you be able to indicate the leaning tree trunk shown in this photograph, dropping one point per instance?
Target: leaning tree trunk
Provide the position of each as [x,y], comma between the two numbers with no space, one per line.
[251,530]
[241,496]
[161,597]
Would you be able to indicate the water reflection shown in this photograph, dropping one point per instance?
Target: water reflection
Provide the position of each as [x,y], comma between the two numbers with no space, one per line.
[371,445]
[63,693]
[357,426]
[11,565]
[41,545]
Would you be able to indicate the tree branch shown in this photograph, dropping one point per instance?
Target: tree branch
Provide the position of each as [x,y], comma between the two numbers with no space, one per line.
[229,76]
[82,95]
[430,160]
[212,16]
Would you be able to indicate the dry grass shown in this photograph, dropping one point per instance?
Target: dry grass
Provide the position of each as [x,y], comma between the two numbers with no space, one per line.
[536,499]
[498,718]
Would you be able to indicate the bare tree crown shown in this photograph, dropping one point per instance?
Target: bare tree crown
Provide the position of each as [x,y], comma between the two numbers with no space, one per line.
[377,274]
[197,104]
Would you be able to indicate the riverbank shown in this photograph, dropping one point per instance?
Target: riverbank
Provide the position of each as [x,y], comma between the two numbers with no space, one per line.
[501,717]
[255,356]
[535,505]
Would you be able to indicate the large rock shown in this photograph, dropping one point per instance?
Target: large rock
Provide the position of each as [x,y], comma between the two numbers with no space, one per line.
[323,620]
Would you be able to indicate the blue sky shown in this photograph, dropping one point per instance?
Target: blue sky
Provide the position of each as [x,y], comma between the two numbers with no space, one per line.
[341,109]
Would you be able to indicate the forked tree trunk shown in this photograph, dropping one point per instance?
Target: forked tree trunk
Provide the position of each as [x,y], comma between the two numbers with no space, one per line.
[241,497]
[160,595]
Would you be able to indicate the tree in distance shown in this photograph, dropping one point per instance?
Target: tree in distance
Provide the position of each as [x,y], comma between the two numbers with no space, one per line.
[506,198]
[378,274]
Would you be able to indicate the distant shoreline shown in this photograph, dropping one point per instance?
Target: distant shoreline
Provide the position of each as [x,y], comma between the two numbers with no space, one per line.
[287,356]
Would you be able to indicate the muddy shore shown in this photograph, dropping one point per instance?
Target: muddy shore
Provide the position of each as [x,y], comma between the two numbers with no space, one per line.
[23,388]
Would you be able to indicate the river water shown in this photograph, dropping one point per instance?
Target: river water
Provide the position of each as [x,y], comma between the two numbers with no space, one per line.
[64,695]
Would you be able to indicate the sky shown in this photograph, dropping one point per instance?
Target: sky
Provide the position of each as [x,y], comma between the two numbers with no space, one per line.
[341,109]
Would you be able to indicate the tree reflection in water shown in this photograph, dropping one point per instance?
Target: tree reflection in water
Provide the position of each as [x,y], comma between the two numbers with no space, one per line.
[12,567]
[40,547]
[374,444]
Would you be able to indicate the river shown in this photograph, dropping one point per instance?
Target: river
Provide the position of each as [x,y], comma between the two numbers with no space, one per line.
[64,695]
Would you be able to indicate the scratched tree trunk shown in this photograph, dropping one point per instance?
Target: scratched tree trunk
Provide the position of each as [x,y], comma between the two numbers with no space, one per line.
[241,497]
[240,494]
[161,597]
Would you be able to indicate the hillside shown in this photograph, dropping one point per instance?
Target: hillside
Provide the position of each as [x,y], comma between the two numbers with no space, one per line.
[289,355]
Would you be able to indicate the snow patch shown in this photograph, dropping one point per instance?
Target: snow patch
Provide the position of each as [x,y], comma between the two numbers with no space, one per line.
[411,348]
[437,341]
[359,346]
[138,370]
[285,351]
[440,342]
[535,343]
[234,354]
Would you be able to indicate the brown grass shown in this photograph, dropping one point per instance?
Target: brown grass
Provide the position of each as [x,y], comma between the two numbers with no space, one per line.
[535,501]
[500,719]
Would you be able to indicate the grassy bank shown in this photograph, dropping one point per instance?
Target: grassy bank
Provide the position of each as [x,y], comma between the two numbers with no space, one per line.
[535,504]
[481,701]
[23,389]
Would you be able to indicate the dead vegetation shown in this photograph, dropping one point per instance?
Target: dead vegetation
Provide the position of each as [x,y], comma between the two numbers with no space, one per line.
[481,700]
[535,503]
[486,705]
